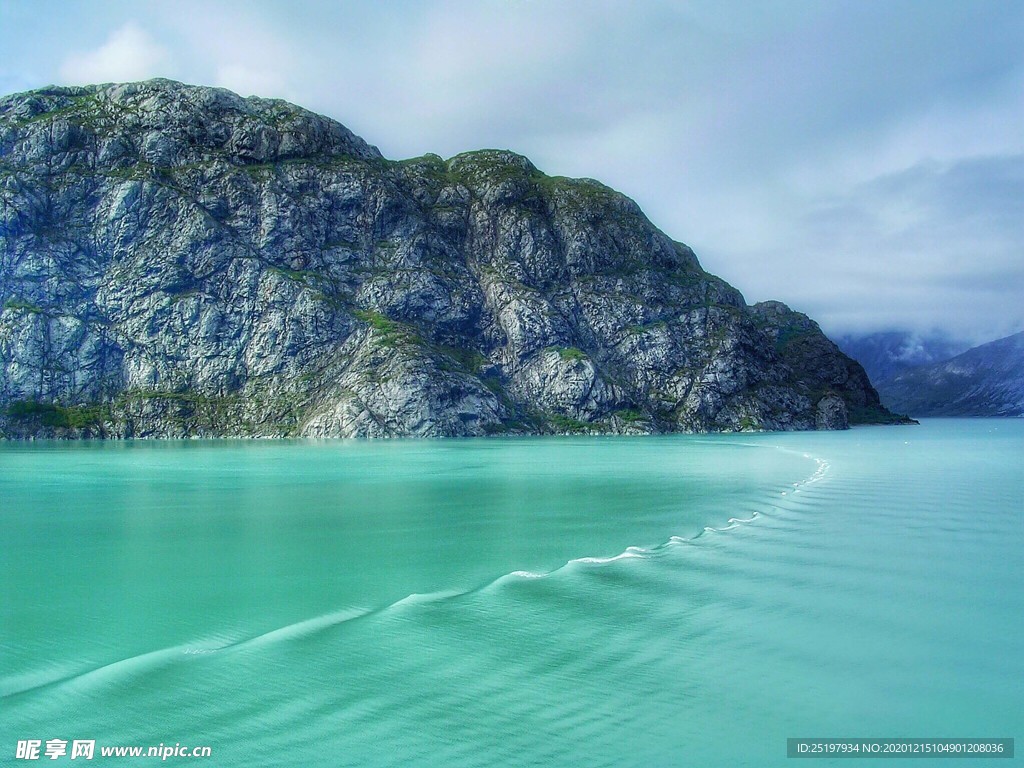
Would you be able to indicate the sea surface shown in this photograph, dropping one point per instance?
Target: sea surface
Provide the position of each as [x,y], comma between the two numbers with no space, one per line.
[626,601]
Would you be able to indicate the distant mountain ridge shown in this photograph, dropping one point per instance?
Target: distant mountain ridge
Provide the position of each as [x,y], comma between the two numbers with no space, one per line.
[180,261]
[987,380]
[887,353]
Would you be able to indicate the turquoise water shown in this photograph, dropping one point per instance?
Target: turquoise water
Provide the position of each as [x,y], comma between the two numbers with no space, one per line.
[658,601]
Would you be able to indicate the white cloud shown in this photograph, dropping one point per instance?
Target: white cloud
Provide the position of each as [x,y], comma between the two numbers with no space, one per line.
[849,159]
[247,80]
[129,53]
[936,246]
[239,46]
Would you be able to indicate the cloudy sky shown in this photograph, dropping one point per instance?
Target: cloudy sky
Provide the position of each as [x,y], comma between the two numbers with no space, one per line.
[862,161]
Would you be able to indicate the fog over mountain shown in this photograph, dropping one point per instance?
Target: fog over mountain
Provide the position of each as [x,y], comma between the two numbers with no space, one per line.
[987,380]
[887,353]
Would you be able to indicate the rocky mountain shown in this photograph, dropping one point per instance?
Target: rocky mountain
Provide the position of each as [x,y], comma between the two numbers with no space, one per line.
[180,261]
[987,380]
[888,353]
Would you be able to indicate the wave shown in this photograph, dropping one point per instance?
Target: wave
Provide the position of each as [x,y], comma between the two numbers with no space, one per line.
[110,672]
[125,668]
[303,628]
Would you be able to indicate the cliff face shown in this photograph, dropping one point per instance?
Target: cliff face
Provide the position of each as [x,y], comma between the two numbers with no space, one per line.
[180,261]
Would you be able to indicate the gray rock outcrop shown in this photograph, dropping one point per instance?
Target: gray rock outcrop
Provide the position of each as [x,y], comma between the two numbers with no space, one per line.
[180,261]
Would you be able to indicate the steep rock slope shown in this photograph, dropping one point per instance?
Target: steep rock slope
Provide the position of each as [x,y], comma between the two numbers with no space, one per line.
[180,261]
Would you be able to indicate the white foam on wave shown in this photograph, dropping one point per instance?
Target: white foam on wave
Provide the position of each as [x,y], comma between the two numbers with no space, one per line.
[417,598]
[743,521]
[819,473]
[630,552]
[711,529]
